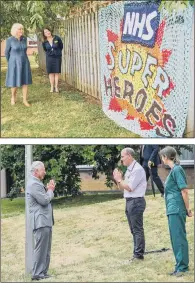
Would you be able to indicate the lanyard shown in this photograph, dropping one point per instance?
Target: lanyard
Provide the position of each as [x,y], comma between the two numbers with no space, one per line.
[130,170]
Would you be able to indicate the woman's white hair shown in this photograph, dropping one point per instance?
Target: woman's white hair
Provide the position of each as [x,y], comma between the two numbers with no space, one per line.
[15,28]
[36,165]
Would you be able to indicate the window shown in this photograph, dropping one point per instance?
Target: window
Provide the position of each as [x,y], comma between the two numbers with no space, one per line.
[187,157]
[32,41]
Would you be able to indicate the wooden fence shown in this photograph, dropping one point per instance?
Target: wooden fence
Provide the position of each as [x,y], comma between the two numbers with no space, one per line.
[80,66]
[80,58]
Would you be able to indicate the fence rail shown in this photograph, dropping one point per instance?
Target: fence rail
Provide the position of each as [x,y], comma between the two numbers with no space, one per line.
[89,7]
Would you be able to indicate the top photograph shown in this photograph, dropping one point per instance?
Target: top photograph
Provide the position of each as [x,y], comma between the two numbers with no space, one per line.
[97,69]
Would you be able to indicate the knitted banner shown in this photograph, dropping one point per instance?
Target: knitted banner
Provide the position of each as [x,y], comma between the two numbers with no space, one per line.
[145,67]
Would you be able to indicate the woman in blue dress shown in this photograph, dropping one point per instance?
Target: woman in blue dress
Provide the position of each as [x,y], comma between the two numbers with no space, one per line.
[52,46]
[177,208]
[18,71]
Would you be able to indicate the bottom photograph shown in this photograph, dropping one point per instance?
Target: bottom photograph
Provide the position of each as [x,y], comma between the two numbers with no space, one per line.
[97,213]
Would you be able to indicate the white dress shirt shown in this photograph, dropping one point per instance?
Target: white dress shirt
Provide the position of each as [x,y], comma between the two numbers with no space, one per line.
[135,178]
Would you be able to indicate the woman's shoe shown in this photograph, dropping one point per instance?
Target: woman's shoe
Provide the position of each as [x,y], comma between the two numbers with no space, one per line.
[13,102]
[26,104]
[177,273]
[57,90]
[172,273]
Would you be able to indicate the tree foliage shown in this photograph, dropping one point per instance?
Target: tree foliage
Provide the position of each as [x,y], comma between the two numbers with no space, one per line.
[33,15]
[13,159]
[106,158]
[176,5]
[61,163]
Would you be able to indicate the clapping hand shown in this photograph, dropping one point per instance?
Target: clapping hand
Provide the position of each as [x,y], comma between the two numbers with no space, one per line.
[117,175]
[51,185]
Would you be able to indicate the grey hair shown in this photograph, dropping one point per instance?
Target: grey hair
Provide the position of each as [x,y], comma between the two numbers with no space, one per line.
[170,153]
[15,27]
[129,151]
[36,165]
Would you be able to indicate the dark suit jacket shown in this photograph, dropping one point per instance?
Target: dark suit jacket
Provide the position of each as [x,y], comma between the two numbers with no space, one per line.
[150,153]
[56,49]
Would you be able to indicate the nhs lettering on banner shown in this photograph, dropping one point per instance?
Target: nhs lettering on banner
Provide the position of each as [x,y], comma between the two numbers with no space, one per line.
[140,24]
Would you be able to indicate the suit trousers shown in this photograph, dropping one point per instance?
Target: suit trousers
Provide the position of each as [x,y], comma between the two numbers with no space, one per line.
[42,250]
[134,211]
[156,178]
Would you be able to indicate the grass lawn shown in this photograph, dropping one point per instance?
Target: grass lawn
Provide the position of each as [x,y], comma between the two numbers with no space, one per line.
[92,242]
[68,114]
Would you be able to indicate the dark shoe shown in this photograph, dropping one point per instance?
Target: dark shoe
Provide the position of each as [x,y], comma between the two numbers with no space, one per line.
[177,273]
[135,258]
[47,276]
[172,273]
[37,278]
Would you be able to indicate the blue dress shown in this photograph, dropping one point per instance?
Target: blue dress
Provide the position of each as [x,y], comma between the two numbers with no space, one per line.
[18,71]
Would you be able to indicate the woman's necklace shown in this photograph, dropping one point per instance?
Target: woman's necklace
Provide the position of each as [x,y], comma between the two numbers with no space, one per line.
[50,40]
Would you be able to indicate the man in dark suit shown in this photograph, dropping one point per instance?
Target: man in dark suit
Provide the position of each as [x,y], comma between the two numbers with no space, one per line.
[149,159]
[41,218]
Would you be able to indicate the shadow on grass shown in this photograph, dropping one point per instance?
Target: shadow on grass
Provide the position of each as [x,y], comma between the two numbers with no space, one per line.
[92,198]
[85,199]
[17,206]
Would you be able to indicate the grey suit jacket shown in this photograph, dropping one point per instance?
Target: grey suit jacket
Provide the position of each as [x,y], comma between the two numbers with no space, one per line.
[39,204]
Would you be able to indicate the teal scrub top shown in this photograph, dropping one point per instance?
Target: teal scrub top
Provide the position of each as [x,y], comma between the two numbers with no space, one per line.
[175,182]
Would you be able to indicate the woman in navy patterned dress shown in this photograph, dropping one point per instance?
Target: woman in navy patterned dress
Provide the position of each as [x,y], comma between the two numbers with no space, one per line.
[18,71]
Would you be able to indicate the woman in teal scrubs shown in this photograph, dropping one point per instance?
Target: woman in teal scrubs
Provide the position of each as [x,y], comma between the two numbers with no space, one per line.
[177,207]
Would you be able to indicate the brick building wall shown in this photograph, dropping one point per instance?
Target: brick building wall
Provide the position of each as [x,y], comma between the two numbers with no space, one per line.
[163,173]
[90,184]
[30,50]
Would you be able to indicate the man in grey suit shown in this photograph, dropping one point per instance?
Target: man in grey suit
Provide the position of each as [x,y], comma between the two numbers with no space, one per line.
[41,217]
